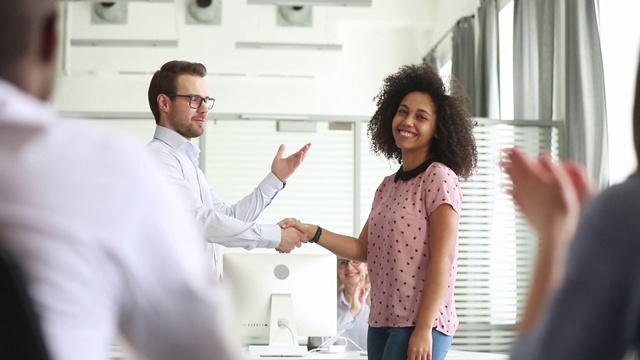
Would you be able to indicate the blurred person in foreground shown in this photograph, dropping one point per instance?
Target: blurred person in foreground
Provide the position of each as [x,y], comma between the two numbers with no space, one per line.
[584,301]
[105,246]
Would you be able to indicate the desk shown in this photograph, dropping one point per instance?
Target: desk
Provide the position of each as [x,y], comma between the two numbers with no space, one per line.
[452,355]
[350,355]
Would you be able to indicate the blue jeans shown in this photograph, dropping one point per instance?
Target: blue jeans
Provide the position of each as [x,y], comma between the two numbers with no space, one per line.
[391,343]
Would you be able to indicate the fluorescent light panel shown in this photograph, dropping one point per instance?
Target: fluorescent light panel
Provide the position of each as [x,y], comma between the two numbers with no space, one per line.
[287,46]
[361,3]
[272,117]
[124,43]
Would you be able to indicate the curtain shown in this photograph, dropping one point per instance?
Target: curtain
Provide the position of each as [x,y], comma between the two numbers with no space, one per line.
[487,90]
[567,83]
[533,59]
[431,59]
[586,118]
[463,58]
[578,95]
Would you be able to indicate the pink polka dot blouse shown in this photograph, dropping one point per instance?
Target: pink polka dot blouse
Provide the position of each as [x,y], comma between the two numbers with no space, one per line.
[398,247]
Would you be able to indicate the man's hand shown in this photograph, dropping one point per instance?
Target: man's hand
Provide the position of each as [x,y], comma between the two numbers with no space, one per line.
[290,239]
[285,167]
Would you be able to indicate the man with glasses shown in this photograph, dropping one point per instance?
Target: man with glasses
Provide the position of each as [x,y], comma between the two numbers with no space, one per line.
[180,102]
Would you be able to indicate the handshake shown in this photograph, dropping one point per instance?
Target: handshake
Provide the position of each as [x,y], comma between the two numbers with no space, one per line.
[294,233]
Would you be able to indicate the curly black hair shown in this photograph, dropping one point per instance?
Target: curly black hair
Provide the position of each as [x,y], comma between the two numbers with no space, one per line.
[455,145]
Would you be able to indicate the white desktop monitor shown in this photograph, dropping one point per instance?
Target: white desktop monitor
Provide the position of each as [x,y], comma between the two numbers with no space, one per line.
[297,289]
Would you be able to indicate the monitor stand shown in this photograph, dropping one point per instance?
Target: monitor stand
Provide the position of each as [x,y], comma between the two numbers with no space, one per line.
[283,336]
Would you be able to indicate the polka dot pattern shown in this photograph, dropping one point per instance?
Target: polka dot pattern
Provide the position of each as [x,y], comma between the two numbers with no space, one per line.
[398,251]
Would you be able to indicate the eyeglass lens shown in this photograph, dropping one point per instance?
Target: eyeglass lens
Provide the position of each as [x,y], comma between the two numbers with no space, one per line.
[196,100]
[344,263]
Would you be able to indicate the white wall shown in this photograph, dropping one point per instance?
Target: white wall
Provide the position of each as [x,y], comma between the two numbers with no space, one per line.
[446,15]
[375,41]
[620,38]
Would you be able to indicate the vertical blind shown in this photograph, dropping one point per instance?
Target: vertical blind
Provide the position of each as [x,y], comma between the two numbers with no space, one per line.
[497,248]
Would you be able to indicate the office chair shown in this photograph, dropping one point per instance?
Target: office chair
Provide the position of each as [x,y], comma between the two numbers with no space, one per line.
[20,333]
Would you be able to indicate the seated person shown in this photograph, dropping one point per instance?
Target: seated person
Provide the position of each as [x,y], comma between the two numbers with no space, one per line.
[353,305]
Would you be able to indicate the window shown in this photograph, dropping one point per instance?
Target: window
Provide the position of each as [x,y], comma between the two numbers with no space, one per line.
[505,39]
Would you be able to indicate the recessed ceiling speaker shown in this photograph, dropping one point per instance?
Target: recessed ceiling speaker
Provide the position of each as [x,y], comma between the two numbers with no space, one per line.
[294,15]
[206,12]
[109,12]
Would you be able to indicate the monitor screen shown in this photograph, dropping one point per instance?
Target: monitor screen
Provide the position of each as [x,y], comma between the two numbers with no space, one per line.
[282,298]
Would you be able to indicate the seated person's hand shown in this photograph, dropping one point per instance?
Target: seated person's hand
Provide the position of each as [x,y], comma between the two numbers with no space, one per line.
[358,294]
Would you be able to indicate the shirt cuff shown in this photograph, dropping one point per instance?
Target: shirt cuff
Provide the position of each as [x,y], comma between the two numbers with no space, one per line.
[271,185]
[270,235]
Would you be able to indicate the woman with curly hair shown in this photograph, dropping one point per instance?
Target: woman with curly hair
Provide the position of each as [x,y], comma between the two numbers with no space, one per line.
[410,240]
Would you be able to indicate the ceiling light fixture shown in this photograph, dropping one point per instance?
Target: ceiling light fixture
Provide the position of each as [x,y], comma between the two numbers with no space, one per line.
[361,3]
[123,43]
[273,117]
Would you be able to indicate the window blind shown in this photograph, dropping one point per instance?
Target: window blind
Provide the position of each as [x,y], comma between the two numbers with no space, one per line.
[239,155]
[497,248]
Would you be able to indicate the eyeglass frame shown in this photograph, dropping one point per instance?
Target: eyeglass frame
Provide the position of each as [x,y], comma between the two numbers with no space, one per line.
[193,97]
[344,263]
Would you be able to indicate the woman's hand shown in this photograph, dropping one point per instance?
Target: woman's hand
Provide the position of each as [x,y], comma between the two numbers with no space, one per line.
[420,344]
[296,224]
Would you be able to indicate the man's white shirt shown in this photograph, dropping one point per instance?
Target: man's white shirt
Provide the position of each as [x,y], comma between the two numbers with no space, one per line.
[228,225]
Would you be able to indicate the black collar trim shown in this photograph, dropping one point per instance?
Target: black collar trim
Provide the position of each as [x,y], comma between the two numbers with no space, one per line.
[410,174]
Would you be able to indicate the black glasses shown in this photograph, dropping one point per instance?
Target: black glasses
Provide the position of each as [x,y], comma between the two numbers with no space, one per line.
[196,100]
[343,263]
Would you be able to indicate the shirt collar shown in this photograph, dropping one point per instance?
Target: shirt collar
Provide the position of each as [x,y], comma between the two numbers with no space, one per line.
[410,174]
[176,141]
[14,101]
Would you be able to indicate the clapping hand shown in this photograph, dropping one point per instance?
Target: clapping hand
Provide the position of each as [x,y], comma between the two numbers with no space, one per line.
[358,295]
[550,195]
